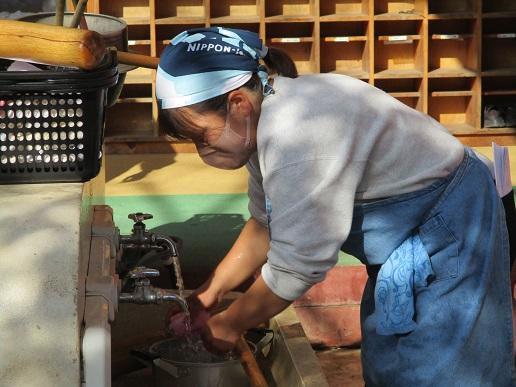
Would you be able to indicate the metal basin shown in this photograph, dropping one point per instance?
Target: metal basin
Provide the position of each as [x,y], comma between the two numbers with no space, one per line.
[112,29]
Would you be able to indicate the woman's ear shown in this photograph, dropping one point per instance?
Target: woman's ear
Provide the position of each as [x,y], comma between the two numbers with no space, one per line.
[239,102]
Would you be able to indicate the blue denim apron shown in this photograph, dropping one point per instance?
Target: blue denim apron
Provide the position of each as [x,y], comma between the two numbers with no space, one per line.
[461,332]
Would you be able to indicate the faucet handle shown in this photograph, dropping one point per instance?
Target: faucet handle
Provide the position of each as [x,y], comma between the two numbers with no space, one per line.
[143,272]
[139,217]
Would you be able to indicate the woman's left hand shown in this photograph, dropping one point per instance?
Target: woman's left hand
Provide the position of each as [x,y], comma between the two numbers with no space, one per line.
[219,336]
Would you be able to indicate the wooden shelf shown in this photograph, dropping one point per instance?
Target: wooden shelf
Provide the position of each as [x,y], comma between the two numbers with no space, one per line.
[460,128]
[234,20]
[451,73]
[180,20]
[292,40]
[451,36]
[499,92]
[344,39]
[451,93]
[499,72]
[499,15]
[340,17]
[509,35]
[289,19]
[405,94]
[398,16]
[399,38]
[359,74]
[136,20]
[139,76]
[451,15]
[398,73]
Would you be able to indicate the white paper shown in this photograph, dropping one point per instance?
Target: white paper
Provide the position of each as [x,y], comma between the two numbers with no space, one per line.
[502,170]
[22,66]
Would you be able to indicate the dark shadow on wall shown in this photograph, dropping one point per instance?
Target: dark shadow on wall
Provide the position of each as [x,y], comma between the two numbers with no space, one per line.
[206,238]
[117,165]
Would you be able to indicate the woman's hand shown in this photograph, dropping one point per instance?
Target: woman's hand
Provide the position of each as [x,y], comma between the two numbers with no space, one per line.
[219,336]
[176,318]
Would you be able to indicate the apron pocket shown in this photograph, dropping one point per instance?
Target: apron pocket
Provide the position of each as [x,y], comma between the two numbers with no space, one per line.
[442,248]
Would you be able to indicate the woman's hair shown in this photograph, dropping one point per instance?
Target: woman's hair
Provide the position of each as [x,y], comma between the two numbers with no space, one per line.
[277,62]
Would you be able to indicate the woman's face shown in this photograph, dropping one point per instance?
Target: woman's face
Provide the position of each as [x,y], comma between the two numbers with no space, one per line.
[225,142]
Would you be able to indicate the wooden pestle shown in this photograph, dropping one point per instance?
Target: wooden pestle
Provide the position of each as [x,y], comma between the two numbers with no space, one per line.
[249,363]
[54,45]
[60,46]
[78,14]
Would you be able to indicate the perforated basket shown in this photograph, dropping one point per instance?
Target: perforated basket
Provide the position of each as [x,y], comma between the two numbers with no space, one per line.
[52,124]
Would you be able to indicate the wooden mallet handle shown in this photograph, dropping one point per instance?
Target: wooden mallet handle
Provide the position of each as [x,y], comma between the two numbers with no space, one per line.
[250,365]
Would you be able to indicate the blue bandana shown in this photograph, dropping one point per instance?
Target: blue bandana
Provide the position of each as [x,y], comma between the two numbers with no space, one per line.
[203,63]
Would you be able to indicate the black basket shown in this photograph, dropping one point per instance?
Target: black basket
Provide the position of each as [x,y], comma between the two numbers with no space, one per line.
[52,123]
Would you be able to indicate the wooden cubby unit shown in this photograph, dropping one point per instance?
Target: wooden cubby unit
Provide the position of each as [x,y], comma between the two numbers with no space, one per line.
[345,48]
[347,10]
[180,11]
[499,47]
[398,49]
[498,8]
[448,58]
[408,90]
[290,10]
[454,102]
[452,9]
[399,9]
[234,11]
[453,48]
[297,39]
[134,12]
[499,97]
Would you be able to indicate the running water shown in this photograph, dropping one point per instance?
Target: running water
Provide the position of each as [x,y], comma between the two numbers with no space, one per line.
[181,289]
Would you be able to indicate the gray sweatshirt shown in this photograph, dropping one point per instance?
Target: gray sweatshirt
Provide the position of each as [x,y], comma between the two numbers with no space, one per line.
[326,141]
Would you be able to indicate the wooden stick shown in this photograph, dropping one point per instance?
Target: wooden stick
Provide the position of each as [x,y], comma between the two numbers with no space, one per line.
[83,24]
[249,363]
[78,14]
[60,8]
[130,58]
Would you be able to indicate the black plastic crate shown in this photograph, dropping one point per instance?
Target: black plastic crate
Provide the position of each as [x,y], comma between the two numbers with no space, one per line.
[52,123]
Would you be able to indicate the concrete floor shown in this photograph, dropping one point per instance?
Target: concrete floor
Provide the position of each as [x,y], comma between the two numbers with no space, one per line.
[341,367]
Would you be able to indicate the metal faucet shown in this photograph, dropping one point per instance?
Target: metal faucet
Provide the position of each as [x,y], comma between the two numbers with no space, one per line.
[143,239]
[145,293]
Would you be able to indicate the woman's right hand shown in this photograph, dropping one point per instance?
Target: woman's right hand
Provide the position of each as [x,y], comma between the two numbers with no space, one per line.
[176,317]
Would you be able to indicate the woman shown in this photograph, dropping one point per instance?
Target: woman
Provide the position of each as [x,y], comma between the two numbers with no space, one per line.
[336,164]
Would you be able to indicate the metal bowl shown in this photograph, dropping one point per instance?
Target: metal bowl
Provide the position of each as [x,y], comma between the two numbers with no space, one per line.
[112,29]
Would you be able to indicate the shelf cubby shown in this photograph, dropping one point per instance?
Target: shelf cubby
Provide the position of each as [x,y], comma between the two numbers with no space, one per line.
[234,11]
[452,9]
[399,9]
[452,48]
[344,10]
[137,124]
[499,102]
[290,10]
[454,102]
[345,48]
[499,47]
[409,91]
[498,8]
[398,49]
[298,40]
[134,12]
[180,11]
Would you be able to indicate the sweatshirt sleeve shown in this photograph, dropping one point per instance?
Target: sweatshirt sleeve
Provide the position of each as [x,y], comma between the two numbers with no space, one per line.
[310,205]
[255,191]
